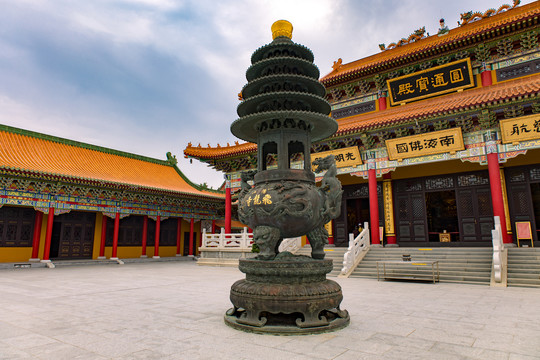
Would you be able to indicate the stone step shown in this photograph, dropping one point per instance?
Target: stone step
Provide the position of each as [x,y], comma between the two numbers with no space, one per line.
[59,263]
[523,282]
[458,278]
[432,250]
[524,267]
[459,265]
[440,260]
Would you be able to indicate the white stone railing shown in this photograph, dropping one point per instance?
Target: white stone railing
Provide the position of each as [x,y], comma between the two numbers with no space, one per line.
[291,245]
[357,249]
[498,249]
[221,241]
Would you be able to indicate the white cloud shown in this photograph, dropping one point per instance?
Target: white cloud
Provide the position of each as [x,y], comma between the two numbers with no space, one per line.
[149,76]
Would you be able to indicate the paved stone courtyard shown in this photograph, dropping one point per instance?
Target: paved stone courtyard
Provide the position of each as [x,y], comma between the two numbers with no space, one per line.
[174,310]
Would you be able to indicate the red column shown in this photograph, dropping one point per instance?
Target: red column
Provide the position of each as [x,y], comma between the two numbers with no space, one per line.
[496,193]
[48,235]
[373,207]
[37,235]
[156,245]
[115,236]
[178,236]
[485,75]
[144,235]
[191,223]
[228,209]
[213,226]
[103,238]
[382,102]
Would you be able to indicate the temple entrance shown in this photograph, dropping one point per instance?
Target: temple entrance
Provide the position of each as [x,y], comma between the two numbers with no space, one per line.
[523,188]
[476,215]
[535,197]
[73,235]
[445,210]
[442,216]
[357,214]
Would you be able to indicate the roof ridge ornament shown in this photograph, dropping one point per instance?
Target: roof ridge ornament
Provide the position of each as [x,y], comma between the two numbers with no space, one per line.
[471,16]
[337,64]
[415,36]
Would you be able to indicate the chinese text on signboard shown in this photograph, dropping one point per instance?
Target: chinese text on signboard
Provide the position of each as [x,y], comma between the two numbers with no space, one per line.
[520,129]
[438,80]
[344,157]
[436,142]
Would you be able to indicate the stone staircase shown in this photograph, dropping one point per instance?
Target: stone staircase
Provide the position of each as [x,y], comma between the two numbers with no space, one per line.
[331,252]
[524,267]
[457,265]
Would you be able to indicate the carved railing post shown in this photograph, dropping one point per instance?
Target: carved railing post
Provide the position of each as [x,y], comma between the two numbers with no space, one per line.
[357,250]
[498,270]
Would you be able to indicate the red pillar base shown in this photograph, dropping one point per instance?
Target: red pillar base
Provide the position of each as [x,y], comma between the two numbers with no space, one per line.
[391,241]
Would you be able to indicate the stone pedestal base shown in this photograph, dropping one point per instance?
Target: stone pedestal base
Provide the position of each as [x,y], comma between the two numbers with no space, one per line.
[286,296]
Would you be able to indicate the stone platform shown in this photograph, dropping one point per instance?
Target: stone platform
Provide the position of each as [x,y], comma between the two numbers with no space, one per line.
[174,310]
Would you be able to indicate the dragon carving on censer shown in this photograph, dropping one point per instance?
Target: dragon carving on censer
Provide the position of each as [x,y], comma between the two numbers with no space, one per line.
[278,202]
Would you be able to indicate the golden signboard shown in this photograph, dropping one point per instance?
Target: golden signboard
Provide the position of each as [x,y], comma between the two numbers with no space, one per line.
[438,80]
[520,129]
[436,142]
[344,157]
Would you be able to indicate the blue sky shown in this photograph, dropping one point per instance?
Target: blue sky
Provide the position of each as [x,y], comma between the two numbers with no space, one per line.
[150,76]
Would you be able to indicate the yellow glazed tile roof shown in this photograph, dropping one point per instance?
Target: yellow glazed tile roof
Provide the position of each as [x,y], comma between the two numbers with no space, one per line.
[460,35]
[21,151]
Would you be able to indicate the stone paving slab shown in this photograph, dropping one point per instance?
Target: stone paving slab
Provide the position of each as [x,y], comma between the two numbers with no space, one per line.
[174,310]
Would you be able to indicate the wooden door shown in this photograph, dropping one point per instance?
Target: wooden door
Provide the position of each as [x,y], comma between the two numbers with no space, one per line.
[475,214]
[411,218]
[74,235]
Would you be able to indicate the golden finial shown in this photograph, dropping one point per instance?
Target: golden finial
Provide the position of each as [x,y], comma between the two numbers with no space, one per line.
[282,28]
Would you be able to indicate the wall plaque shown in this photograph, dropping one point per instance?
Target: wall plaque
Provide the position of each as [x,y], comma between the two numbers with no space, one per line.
[520,129]
[344,157]
[436,142]
[439,80]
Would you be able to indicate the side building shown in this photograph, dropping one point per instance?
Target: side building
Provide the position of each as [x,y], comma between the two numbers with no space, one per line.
[437,134]
[62,199]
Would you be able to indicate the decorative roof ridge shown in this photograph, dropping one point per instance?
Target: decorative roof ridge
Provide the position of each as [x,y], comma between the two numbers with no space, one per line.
[60,140]
[197,186]
[342,70]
